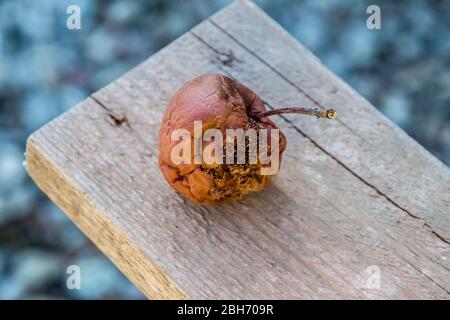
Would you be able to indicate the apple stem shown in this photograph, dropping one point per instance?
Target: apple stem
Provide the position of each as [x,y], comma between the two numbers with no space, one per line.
[327,114]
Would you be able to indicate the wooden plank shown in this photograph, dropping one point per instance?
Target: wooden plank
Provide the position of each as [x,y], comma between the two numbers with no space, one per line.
[387,156]
[336,208]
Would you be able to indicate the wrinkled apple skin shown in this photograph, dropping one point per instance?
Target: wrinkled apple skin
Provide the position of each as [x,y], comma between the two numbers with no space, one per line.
[219,102]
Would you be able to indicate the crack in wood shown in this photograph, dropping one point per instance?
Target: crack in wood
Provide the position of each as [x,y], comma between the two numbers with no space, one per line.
[225,58]
[426,225]
[426,276]
[304,134]
[309,97]
[117,119]
[358,176]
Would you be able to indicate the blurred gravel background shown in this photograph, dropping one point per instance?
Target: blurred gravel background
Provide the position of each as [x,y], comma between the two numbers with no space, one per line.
[403,69]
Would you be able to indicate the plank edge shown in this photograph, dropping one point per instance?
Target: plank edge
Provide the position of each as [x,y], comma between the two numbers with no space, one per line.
[93,223]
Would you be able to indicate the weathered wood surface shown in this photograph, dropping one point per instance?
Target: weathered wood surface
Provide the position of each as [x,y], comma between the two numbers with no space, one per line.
[352,193]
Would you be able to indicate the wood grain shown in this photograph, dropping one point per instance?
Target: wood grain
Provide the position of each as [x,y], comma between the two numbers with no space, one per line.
[352,195]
